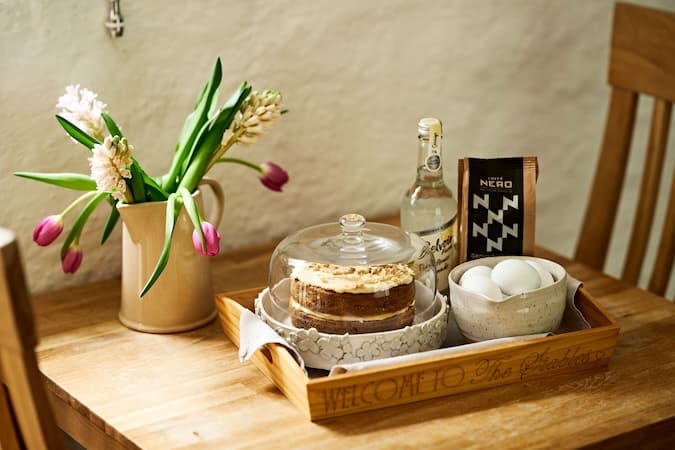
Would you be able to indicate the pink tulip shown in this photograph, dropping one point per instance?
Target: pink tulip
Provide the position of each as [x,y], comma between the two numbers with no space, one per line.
[273,176]
[72,259]
[48,230]
[211,239]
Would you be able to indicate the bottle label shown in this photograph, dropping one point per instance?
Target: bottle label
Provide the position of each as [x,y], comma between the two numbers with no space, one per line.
[433,163]
[442,243]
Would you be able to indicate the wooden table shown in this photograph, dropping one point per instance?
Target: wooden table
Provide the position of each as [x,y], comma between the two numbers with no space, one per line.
[115,388]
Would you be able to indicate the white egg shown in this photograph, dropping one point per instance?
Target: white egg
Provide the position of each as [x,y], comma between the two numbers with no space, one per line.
[484,271]
[514,276]
[479,284]
[544,275]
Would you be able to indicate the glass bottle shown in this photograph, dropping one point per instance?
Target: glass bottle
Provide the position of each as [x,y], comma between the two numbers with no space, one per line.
[428,208]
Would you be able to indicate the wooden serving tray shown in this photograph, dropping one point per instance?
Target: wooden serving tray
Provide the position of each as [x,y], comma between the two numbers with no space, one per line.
[324,397]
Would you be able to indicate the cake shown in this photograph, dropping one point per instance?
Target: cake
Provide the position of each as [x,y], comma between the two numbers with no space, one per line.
[352,299]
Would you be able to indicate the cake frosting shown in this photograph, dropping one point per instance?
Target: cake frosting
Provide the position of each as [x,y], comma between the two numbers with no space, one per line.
[352,299]
[355,279]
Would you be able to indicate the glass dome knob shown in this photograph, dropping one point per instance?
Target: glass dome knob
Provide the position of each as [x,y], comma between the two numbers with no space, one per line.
[352,223]
[352,234]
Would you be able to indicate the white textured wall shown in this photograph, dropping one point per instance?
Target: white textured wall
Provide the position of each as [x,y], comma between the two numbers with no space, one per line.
[506,78]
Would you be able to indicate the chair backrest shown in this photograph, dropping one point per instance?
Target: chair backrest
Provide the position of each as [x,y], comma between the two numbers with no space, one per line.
[26,419]
[642,61]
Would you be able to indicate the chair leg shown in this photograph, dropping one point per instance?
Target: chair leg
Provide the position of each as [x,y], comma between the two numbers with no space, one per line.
[8,432]
[26,391]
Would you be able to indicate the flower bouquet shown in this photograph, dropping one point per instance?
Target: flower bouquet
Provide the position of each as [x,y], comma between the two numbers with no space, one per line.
[117,177]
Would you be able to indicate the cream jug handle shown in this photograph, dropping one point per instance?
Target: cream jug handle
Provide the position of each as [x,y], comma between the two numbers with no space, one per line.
[218,203]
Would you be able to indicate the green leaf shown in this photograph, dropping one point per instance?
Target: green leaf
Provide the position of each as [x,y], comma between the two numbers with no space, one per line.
[77,134]
[209,140]
[196,120]
[186,128]
[136,183]
[81,220]
[113,129]
[192,126]
[74,181]
[214,106]
[201,94]
[193,212]
[151,190]
[154,192]
[172,210]
[112,221]
[188,159]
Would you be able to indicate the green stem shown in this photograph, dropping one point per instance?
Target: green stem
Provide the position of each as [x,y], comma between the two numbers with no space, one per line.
[76,230]
[128,195]
[224,148]
[172,176]
[242,162]
[77,201]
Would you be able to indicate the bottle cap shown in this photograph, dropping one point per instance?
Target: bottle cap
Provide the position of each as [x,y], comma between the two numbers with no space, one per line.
[430,126]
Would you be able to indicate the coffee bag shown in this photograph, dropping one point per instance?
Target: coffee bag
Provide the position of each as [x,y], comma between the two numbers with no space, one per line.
[497,206]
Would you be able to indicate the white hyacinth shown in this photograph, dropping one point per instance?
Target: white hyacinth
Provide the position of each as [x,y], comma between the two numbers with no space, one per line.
[109,164]
[81,107]
[257,115]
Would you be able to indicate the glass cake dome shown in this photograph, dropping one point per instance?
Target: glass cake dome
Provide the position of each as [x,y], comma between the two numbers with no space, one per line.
[352,256]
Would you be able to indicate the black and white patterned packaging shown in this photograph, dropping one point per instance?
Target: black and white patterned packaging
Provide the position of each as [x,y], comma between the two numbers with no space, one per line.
[497,206]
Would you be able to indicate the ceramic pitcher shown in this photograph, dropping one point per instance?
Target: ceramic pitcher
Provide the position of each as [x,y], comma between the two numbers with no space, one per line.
[182,297]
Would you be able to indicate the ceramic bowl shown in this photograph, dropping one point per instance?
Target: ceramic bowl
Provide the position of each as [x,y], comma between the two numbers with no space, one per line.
[323,350]
[480,318]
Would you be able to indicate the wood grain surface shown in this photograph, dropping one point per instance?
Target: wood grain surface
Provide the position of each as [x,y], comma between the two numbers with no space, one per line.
[116,388]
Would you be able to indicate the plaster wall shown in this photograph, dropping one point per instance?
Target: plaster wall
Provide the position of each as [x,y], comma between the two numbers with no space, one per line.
[525,77]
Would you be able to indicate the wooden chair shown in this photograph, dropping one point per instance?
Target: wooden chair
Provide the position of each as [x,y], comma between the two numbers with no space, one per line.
[26,419]
[642,61]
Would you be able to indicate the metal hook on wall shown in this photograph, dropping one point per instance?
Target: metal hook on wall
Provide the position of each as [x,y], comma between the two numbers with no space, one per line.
[115,22]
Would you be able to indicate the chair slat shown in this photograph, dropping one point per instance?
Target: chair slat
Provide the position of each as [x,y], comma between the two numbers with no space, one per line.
[663,265]
[649,190]
[611,168]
